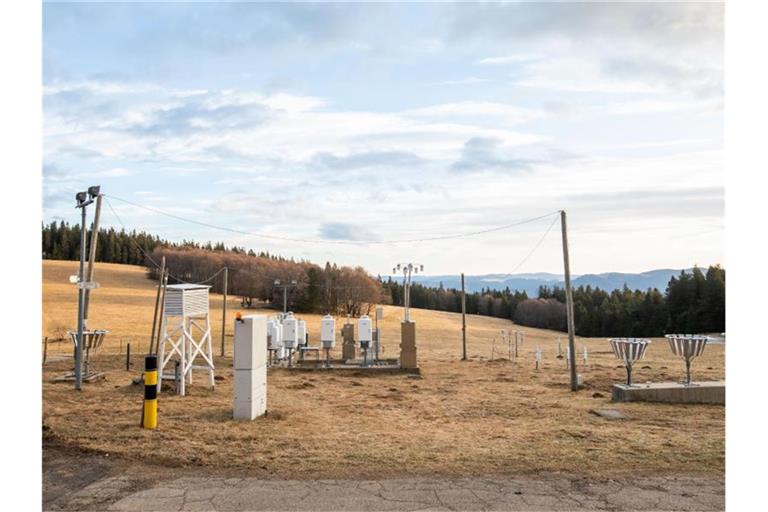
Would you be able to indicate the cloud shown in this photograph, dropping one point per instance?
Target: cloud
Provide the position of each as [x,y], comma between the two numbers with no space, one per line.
[54,172]
[507,59]
[602,47]
[702,80]
[344,231]
[478,111]
[621,75]
[247,130]
[682,23]
[219,28]
[365,160]
[472,80]
[201,114]
[482,154]
[116,172]
[679,202]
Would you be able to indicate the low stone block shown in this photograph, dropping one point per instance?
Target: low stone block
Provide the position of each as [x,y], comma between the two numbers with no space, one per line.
[712,392]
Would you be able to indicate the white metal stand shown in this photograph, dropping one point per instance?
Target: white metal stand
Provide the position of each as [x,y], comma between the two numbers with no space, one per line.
[186,334]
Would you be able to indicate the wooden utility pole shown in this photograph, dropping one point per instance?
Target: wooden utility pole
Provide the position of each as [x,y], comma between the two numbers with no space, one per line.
[164,280]
[463,321]
[157,306]
[569,304]
[92,256]
[224,313]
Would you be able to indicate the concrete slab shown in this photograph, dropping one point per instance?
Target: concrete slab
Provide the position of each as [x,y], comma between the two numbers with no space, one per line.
[672,392]
[609,414]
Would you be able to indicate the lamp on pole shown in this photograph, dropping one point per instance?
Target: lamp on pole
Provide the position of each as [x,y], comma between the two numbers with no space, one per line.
[408,270]
[285,291]
[83,200]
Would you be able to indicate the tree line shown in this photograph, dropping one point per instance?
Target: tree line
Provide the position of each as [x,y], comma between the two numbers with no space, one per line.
[252,276]
[693,302]
[61,241]
[496,303]
[329,289]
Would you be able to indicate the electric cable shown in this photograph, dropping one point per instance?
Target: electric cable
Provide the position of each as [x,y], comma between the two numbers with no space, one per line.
[335,242]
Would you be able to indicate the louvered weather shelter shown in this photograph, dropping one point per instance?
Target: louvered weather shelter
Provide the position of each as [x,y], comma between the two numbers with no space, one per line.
[186,334]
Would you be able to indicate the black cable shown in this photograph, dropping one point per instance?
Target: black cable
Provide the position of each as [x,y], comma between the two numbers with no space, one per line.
[337,242]
[146,255]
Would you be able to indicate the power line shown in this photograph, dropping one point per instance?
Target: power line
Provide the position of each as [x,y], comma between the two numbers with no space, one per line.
[323,286]
[146,255]
[538,244]
[335,242]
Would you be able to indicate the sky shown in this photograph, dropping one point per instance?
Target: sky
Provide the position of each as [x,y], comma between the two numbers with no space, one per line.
[342,124]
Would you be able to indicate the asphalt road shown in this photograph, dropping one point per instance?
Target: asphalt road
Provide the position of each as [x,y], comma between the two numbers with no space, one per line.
[119,493]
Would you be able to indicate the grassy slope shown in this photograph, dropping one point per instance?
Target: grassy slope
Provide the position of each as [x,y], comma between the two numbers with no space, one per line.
[476,417]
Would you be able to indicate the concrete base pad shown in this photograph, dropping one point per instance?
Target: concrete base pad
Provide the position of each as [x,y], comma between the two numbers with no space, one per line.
[609,414]
[672,392]
[353,369]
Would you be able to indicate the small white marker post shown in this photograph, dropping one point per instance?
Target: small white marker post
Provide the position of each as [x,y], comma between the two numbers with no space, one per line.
[538,357]
[567,357]
[585,355]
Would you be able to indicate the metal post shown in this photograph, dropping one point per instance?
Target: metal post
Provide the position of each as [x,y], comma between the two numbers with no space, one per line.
[80,306]
[128,358]
[463,321]
[285,299]
[224,313]
[407,293]
[149,412]
[569,303]
[516,344]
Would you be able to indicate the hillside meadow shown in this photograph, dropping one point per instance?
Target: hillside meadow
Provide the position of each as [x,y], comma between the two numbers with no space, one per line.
[476,417]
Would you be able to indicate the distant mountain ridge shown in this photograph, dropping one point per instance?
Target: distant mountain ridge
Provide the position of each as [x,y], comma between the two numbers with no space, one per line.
[530,283]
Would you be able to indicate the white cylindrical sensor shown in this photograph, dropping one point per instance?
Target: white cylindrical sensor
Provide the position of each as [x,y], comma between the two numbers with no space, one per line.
[365,331]
[275,335]
[290,331]
[328,331]
[301,332]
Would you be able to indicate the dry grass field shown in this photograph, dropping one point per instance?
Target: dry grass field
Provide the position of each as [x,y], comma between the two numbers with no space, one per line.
[477,417]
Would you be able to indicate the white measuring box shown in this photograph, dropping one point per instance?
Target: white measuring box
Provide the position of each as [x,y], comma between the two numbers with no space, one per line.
[290,331]
[328,331]
[250,364]
[365,331]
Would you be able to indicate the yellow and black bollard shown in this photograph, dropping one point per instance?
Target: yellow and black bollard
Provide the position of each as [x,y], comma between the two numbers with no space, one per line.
[149,413]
